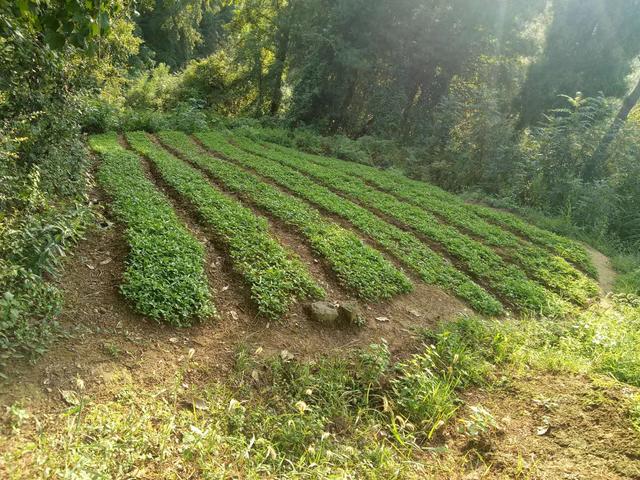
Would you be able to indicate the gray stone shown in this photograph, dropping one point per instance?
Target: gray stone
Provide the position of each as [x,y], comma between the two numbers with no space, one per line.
[324,312]
[350,312]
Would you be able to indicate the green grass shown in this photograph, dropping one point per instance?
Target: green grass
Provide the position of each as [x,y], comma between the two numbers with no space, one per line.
[429,265]
[506,279]
[396,182]
[357,266]
[164,277]
[360,415]
[275,276]
[628,268]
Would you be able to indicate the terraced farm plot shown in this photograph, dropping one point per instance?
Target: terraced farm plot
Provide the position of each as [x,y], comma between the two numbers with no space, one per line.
[377,232]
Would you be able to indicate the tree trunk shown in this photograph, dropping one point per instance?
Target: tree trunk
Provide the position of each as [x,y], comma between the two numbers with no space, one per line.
[594,166]
[406,112]
[282,50]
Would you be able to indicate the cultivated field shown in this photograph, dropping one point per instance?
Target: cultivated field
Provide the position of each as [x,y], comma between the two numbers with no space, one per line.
[377,232]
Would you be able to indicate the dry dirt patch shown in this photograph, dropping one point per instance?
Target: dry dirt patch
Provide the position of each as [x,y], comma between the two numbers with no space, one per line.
[554,427]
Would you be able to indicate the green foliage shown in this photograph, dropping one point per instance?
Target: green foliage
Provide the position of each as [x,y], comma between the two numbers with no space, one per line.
[165,277]
[356,265]
[36,231]
[629,282]
[551,270]
[406,247]
[276,278]
[634,412]
[589,48]
[76,23]
[33,241]
[509,281]
[178,31]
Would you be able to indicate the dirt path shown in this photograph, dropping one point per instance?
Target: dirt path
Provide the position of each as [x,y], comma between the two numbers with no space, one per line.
[606,274]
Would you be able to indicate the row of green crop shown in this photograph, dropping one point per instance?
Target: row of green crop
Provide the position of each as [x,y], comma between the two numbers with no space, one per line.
[164,277]
[276,278]
[539,264]
[431,267]
[358,266]
[414,190]
[482,261]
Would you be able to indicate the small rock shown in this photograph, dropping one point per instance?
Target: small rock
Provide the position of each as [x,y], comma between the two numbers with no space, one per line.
[543,430]
[324,312]
[382,319]
[350,312]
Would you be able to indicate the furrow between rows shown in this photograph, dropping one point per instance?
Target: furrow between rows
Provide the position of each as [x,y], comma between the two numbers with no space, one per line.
[275,277]
[431,267]
[507,279]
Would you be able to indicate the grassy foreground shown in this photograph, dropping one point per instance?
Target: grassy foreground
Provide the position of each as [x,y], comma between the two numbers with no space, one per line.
[364,416]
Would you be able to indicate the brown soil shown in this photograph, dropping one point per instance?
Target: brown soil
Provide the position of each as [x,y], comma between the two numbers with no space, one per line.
[551,427]
[606,274]
[104,334]
[436,247]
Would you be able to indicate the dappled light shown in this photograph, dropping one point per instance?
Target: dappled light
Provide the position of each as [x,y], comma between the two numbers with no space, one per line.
[320,239]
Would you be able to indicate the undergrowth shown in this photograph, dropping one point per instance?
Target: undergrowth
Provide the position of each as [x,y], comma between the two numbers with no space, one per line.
[35,235]
[365,415]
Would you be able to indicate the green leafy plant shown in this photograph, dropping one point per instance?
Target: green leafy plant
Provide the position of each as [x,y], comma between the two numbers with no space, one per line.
[165,276]
[510,282]
[542,265]
[276,278]
[431,267]
[358,266]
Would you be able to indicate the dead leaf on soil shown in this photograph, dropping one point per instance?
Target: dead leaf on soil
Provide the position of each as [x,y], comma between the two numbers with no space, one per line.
[286,356]
[70,397]
[199,404]
[382,319]
[106,261]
